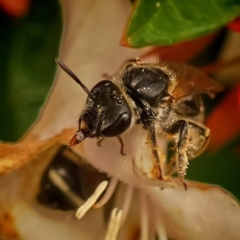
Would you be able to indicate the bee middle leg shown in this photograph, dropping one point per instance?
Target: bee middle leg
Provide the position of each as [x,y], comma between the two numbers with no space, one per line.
[180,160]
[154,148]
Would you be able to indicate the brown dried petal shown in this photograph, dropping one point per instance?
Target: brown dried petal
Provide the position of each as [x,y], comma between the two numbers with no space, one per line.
[14,155]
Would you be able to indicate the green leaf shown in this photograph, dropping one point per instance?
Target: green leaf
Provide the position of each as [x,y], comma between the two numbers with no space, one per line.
[29,47]
[165,22]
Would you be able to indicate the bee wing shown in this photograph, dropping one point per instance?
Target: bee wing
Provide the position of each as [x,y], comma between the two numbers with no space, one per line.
[191,81]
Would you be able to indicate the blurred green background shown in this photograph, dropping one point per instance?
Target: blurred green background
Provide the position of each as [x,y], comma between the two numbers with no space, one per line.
[28,45]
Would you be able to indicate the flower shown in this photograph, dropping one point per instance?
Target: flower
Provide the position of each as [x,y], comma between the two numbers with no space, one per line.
[141,206]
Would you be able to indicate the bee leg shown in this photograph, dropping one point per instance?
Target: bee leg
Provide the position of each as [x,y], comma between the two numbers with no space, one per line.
[100,141]
[198,139]
[171,167]
[122,145]
[181,126]
[153,144]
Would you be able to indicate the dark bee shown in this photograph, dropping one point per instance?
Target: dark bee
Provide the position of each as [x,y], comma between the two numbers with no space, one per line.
[162,97]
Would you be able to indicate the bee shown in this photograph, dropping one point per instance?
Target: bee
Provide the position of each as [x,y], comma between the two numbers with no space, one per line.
[162,97]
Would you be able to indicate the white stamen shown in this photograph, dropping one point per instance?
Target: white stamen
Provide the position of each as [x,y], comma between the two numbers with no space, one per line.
[151,225]
[59,182]
[114,224]
[161,232]
[152,235]
[90,202]
[126,204]
[158,225]
[109,192]
[144,217]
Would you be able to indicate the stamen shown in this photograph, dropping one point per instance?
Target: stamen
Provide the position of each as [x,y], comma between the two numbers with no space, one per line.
[151,225]
[90,202]
[59,182]
[109,192]
[144,217]
[114,224]
[126,204]
[160,229]
[158,225]
[152,235]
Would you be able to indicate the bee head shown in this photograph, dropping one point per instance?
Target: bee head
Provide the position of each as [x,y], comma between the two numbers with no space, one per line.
[106,113]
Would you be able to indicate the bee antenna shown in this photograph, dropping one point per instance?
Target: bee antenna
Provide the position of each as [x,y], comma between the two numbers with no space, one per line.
[75,78]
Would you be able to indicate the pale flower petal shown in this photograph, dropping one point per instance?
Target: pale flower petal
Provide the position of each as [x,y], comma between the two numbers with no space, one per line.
[90,48]
[201,212]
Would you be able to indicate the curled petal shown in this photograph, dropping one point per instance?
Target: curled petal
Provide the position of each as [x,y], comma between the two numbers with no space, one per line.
[201,212]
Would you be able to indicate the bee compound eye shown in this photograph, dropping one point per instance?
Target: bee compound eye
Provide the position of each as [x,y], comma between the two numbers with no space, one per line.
[119,126]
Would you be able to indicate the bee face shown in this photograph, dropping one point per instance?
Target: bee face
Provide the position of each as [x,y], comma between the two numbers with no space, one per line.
[108,115]
[162,97]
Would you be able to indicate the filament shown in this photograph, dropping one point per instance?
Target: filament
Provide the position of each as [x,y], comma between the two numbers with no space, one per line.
[114,224]
[59,182]
[144,217]
[91,200]
[159,226]
[109,192]
[126,204]
[160,229]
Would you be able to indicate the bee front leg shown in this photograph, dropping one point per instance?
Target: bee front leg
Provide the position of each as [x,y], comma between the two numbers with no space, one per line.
[122,145]
[154,148]
[99,142]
